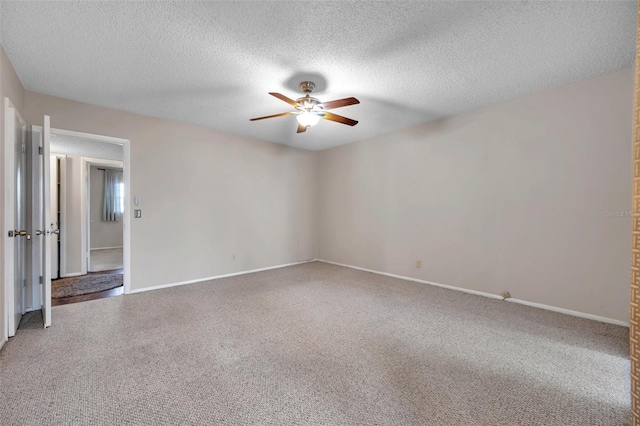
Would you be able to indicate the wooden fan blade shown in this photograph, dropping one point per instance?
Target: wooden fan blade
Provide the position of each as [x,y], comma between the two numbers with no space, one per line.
[301,128]
[338,118]
[340,103]
[270,116]
[284,98]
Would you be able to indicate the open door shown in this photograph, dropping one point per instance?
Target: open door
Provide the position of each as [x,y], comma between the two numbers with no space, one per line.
[15,216]
[47,228]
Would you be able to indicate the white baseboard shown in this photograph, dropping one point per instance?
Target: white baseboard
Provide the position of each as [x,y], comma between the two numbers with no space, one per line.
[490,295]
[2,342]
[569,312]
[402,277]
[105,248]
[73,274]
[199,280]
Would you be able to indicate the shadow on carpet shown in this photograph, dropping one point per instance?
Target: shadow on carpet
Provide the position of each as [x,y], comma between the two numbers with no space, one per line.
[85,284]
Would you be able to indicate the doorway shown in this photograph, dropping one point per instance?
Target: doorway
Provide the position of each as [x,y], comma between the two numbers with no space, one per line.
[105,206]
[74,151]
[87,177]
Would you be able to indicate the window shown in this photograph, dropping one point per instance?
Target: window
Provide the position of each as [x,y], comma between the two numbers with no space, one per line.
[121,196]
[113,196]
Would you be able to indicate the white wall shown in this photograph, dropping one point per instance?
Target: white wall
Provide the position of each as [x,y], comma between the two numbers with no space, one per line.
[205,195]
[509,197]
[103,234]
[72,225]
[10,86]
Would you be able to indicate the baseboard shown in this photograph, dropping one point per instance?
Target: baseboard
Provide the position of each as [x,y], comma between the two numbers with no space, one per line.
[2,342]
[569,312]
[217,277]
[489,295]
[105,248]
[73,274]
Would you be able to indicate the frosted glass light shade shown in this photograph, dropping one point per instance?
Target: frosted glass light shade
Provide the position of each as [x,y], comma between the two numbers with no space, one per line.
[307,119]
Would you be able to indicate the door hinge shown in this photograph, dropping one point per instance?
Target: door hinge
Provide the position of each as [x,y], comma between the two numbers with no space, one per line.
[41,279]
[24,283]
[24,148]
[40,150]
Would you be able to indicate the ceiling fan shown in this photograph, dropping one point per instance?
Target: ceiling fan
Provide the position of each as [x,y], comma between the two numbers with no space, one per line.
[310,110]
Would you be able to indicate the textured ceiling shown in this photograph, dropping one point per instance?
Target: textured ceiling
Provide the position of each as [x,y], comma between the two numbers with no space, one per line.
[212,63]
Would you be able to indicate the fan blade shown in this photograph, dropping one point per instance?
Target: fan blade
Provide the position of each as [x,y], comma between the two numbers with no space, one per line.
[340,103]
[287,100]
[338,118]
[301,128]
[270,116]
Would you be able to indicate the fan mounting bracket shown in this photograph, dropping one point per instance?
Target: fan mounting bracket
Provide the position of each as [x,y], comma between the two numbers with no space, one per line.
[307,86]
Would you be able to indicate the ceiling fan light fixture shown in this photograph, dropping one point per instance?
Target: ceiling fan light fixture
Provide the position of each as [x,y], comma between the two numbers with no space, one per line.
[308,119]
[309,110]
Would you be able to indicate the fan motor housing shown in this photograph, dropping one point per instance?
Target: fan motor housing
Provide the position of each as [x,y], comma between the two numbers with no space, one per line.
[308,102]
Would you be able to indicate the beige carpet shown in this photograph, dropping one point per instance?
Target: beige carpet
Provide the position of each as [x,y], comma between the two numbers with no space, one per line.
[314,344]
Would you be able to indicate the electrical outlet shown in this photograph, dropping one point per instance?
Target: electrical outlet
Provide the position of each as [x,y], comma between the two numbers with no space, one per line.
[137,214]
[418,263]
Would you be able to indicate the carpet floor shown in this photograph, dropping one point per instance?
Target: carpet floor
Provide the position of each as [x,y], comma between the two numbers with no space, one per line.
[85,284]
[313,344]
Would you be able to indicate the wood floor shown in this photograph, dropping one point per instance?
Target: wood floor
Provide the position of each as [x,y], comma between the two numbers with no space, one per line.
[92,296]
[85,297]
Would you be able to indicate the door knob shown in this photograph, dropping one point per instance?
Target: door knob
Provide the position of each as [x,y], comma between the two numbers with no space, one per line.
[18,233]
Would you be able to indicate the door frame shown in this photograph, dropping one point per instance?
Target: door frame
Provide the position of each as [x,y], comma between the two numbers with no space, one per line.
[87,162]
[126,176]
[55,171]
[61,164]
[9,215]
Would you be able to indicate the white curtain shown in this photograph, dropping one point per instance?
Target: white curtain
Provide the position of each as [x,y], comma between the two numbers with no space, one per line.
[113,196]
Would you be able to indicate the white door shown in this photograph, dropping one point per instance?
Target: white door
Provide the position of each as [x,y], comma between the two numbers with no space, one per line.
[36,216]
[15,216]
[55,224]
[47,230]
[20,233]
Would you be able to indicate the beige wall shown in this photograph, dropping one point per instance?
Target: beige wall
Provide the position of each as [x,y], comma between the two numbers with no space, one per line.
[510,197]
[205,195]
[10,86]
[72,225]
[103,234]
